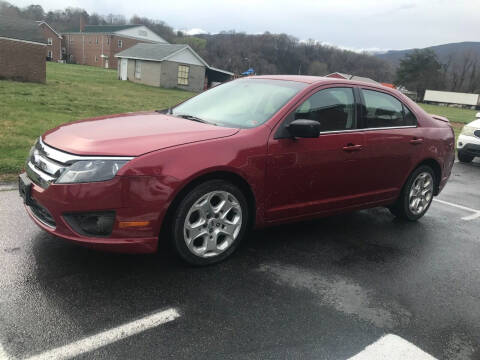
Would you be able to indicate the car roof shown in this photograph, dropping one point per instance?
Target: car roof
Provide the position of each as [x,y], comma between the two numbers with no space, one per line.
[319,80]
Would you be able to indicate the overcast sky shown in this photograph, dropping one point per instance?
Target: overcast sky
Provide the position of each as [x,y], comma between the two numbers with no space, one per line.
[354,24]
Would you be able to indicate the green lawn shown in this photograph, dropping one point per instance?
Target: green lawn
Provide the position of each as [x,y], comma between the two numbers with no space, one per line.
[458,117]
[453,114]
[72,92]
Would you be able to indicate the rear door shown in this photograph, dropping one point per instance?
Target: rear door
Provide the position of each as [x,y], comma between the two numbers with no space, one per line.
[310,176]
[393,142]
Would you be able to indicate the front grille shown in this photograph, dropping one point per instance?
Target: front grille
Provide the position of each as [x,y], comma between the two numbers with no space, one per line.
[45,164]
[42,214]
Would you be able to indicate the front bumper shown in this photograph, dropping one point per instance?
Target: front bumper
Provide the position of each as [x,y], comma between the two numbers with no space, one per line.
[132,198]
[469,145]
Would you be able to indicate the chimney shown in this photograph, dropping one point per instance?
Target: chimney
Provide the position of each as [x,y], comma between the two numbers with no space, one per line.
[82,23]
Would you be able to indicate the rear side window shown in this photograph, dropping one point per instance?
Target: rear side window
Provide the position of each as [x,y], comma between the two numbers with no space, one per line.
[333,108]
[383,110]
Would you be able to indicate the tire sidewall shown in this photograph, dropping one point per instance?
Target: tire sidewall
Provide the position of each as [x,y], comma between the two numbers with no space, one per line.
[182,210]
[406,193]
[464,158]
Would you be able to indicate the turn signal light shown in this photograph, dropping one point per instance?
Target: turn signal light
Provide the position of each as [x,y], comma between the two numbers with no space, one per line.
[128,224]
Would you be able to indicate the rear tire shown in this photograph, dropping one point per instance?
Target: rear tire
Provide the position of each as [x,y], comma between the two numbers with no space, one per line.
[209,223]
[416,195]
[464,158]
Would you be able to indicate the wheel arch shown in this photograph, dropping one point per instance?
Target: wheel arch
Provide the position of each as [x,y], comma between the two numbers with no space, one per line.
[437,171]
[226,175]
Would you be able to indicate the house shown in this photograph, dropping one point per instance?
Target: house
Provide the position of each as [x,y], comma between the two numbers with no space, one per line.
[96,45]
[351,77]
[168,66]
[22,50]
[54,51]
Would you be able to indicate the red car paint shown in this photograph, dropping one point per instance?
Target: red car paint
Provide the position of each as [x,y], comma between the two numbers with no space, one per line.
[286,179]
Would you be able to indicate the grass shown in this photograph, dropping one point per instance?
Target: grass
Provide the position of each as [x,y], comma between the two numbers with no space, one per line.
[458,117]
[72,92]
[455,115]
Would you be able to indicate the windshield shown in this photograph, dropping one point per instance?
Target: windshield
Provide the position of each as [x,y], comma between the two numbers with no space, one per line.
[243,103]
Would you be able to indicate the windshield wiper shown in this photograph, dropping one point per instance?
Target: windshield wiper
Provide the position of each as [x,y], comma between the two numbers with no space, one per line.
[194,118]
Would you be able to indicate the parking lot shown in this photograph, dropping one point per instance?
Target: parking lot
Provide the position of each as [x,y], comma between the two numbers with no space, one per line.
[324,289]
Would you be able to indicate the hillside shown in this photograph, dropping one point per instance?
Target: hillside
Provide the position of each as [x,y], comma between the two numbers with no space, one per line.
[443,51]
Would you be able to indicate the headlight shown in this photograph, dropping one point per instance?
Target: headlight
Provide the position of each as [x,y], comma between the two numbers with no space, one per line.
[90,171]
[468,130]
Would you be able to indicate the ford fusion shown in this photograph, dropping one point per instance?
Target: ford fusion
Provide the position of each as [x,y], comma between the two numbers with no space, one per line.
[253,152]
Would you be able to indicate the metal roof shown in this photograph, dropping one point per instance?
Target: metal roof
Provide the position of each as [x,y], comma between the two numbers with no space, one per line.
[20,29]
[100,29]
[153,52]
[107,28]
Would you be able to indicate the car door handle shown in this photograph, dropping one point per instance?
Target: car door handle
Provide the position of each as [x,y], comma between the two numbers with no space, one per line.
[351,147]
[416,141]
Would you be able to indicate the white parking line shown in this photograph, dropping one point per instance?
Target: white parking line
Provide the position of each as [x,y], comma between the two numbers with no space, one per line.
[475,215]
[392,347]
[3,354]
[108,337]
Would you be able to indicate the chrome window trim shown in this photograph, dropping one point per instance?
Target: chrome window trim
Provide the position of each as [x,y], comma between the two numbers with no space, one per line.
[67,158]
[368,129]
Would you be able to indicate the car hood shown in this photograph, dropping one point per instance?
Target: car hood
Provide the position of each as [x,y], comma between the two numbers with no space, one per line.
[475,123]
[130,134]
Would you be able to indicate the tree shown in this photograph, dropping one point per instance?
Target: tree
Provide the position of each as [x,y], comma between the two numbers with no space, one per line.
[420,70]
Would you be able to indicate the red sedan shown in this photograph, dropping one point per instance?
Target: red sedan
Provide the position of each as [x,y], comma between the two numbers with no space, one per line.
[253,152]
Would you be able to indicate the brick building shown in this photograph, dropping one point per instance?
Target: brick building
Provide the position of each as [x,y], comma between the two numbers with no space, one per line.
[22,50]
[54,50]
[96,45]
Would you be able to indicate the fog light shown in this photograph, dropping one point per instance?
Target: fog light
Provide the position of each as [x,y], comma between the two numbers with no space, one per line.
[98,224]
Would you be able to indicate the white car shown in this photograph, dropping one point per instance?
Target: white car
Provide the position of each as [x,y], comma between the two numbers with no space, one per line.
[468,143]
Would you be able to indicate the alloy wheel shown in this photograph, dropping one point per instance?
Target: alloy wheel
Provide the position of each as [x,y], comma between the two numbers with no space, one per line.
[212,224]
[421,193]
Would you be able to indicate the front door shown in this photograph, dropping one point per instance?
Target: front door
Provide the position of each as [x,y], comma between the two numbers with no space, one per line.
[312,176]
[123,69]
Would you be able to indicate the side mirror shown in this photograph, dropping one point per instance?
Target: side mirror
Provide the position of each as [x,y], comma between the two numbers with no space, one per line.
[304,128]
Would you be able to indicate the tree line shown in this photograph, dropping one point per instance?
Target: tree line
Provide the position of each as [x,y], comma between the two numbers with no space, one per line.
[421,70]
[284,54]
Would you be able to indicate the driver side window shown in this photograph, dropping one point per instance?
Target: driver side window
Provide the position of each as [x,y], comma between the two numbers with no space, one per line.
[333,108]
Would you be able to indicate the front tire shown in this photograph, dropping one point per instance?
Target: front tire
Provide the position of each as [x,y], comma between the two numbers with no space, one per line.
[210,222]
[464,158]
[416,195]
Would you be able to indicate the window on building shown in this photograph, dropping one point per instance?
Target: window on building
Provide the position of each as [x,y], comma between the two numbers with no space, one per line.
[108,40]
[96,58]
[49,55]
[138,69]
[49,41]
[120,44]
[333,108]
[183,71]
[383,110]
[96,40]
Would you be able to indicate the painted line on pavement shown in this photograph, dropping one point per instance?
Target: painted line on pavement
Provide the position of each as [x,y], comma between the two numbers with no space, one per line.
[392,347]
[108,337]
[475,215]
[3,354]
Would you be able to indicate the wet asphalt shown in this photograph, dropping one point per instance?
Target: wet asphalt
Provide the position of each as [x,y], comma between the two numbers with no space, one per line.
[323,289]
